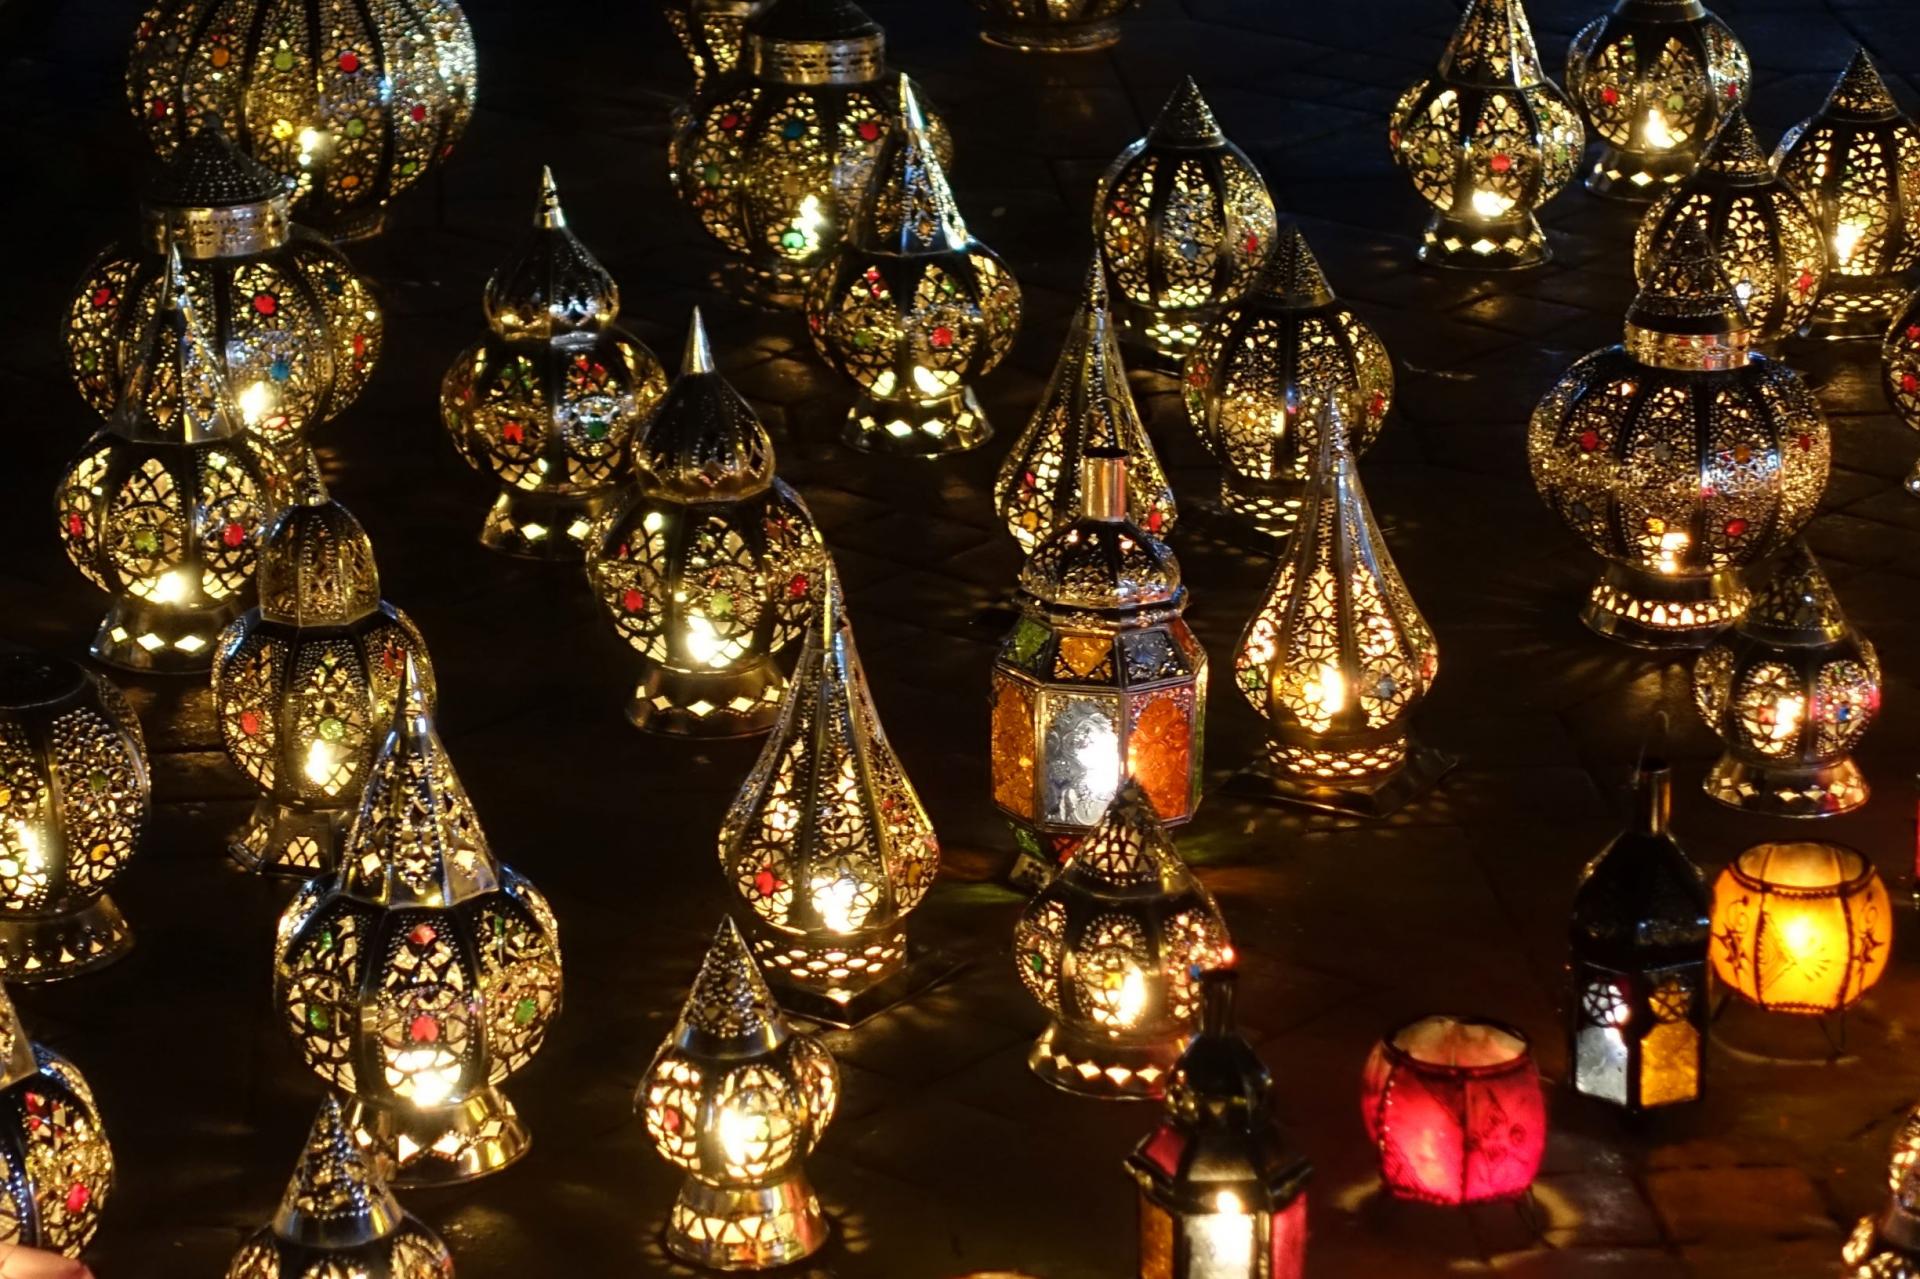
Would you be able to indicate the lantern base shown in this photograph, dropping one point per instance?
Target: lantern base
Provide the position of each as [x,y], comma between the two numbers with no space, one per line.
[952,425]
[774,286]
[1083,37]
[746,1228]
[1787,792]
[52,947]
[1098,1066]
[137,636]
[1640,177]
[846,1004]
[709,704]
[1856,308]
[1160,340]
[1484,246]
[1667,614]
[415,1147]
[544,526]
[1314,779]
[298,843]
[1778,1037]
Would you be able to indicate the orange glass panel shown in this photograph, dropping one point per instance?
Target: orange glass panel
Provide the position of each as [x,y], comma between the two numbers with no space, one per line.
[1085,656]
[1160,754]
[1013,749]
[1156,1240]
[1670,1064]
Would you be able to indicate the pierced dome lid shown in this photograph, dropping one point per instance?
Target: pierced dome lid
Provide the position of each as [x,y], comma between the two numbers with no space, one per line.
[1797,605]
[213,200]
[703,443]
[1102,560]
[552,286]
[1292,278]
[1860,94]
[1186,122]
[730,1013]
[335,1200]
[1128,853]
[1687,316]
[908,207]
[176,390]
[316,561]
[816,42]
[1735,151]
[1493,47]
[1641,897]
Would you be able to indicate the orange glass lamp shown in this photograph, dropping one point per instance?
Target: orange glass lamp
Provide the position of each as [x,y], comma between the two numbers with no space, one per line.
[59,1165]
[712,34]
[1900,372]
[1887,1245]
[1801,928]
[1111,948]
[1061,26]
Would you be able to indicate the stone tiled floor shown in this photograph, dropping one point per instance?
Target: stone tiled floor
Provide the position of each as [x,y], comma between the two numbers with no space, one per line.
[948,1158]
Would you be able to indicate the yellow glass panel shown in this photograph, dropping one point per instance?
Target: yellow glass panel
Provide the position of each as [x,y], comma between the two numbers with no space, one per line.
[1670,1064]
[1084,655]
[1156,1240]
[1013,749]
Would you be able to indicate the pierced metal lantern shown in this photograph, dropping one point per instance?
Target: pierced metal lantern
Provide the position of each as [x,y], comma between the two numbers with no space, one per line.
[707,565]
[1767,240]
[1900,371]
[1801,927]
[1887,1246]
[712,33]
[1087,406]
[1182,221]
[304,684]
[1111,948]
[1487,141]
[352,104]
[1903,1153]
[53,1148]
[1256,384]
[1682,455]
[338,1217]
[422,973]
[913,308]
[738,1100]
[163,508]
[547,404]
[1052,26]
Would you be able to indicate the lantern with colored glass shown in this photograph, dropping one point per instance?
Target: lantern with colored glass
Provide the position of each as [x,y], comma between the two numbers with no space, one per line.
[1900,372]
[1887,1246]
[304,683]
[1486,142]
[1790,690]
[1059,26]
[422,973]
[1183,221]
[1454,1111]
[913,307]
[546,404]
[712,33]
[352,109]
[1801,927]
[738,1100]
[59,1167]
[707,565]
[1111,948]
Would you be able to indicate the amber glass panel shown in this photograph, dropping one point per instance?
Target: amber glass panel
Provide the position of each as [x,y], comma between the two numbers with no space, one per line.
[1160,751]
[1156,1240]
[1085,657]
[1013,748]
[1670,1064]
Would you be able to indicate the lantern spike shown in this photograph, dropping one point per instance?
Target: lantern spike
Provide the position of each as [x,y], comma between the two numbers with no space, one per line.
[1861,92]
[17,1061]
[1292,274]
[1186,120]
[703,442]
[698,358]
[309,488]
[335,1200]
[909,208]
[1493,46]
[549,216]
[1736,150]
[730,1011]
[211,171]
[177,389]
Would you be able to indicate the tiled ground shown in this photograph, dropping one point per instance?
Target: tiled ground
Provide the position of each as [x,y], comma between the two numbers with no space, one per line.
[948,1158]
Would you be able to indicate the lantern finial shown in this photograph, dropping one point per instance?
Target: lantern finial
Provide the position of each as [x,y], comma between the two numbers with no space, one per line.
[309,488]
[177,390]
[1186,120]
[1128,849]
[551,289]
[334,1199]
[1861,93]
[909,207]
[1735,150]
[697,359]
[549,216]
[1797,604]
[1493,45]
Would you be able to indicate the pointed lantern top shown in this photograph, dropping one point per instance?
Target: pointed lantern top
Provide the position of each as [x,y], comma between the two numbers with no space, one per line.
[909,208]
[1735,151]
[1186,122]
[1493,45]
[316,561]
[335,1199]
[1687,316]
[177,390]
[703,443]
[552,287]
[1292,277]
[1129,852]
[1860,93]
[1797,605]
[17,1060]
[730,1013]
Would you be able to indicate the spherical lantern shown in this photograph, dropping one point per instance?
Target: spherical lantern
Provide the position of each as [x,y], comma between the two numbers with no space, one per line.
[1111,948]
[59,1167]
[352,104]
[1887,1246]
[738,1100]
[1801,927]
[1183,221]
[707,565]
[1057,26]
[547,404]
[913,307]
[712,33]
[1487,141]
[1900,370]
[1454,1110]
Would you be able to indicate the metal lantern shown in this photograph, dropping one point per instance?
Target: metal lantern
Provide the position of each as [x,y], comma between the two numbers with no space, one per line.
[1087,406]
[547,403]
[1900,371]
[305,683]
[1790,691]
[1887,1246]
[738,1100]
[1052,26]
[1487,141]
[1183,221]
[1801,927]
[352,104]
[162,509]
[1111,948]
[422,973]
[707,565]
[54,1152]
[912,307]
[1682,456]
[1767,240]
[712,33]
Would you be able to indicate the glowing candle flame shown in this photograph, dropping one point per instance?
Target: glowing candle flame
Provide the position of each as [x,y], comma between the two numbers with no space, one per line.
[256,403]
[1491,204]
[1656,131]
[172,587]
[429,1072]
[1787,713]
[322,758]
[1846,238]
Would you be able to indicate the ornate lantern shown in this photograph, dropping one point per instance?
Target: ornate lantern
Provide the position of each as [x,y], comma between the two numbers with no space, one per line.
[59,1167]
[1183,221]
[548,403]
[1058,26]
[1486,142]
[1853,162]
[1682,456]
[74,800]
[712,33]
[707,565]
[305,683]
[738,1100]
[1111,948]
[339,1218]
[1087,406]
[1888,1246]
[1454,1110]
[1903,1154]
[1900,370]
[422,973]
[912,307]
[352,108]
[1801,927]
[1790,691]
[1256,383]
[162,508]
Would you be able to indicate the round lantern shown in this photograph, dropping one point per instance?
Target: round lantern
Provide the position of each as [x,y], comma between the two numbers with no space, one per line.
[59,1167]
[1887,1246]
[1900,369]
[1801,928]
[1057,26]
[712,33]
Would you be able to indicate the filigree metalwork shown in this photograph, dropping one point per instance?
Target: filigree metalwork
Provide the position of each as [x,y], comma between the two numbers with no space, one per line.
[1900,373]
[1887,1246]
[712,34]
[1052,26]
[56,1168]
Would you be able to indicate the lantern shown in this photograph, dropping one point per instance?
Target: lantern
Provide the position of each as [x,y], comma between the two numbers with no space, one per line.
[1790,691]
[162,508]
[1086,406]
[1766,240]
[1111,948]
[352,107]
[1487,141]
[1454,1110]
[1801,927]
[1222,1193]
[304,684]
[1682,456]
[1183,221]
[738,1101]
[1887,1246]
[1903,1154]
[422,973]
[339,1218]
[1059,26]
[707,563]
[912,306]
[1900,372]
[1256,383]
[712,33]
[547,404]
[59,1167]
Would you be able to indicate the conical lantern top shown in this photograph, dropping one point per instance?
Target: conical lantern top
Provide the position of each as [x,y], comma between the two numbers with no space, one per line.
[1735,151]
[1102,560]
[1641,894]
[552,287]
[816,42]
[703,444]
[177,389]
[1186,121]
[1860,93]
[1493,46]
[335,1199]
[17,1061]
[1797,605]
[730,1013]
[1292,277]
[1090,376]
[316,561]
[210,171]
[909,208]
[1129,852]
[1687,316]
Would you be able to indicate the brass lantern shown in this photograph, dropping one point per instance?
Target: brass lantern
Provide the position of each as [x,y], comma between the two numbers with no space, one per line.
[1487,141]
[547,404]
[1803,928]
[1052,26]
[59,1167]
[1900,373]
[712,33]
[1183,221]
[352,105]
[1887,1246]
[707,566]
[913,308]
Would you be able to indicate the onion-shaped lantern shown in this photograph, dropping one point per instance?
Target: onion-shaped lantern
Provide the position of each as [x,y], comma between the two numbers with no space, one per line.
[712,33]
[1801,927]
[1058,26]
[1900,370]
[59,1167]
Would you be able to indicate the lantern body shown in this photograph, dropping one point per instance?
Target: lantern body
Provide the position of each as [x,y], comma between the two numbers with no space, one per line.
[1801,927]
[57,1165]
[711,33]
[1059,26]
[1887,1245]
[1900,372]
[1903,1154]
